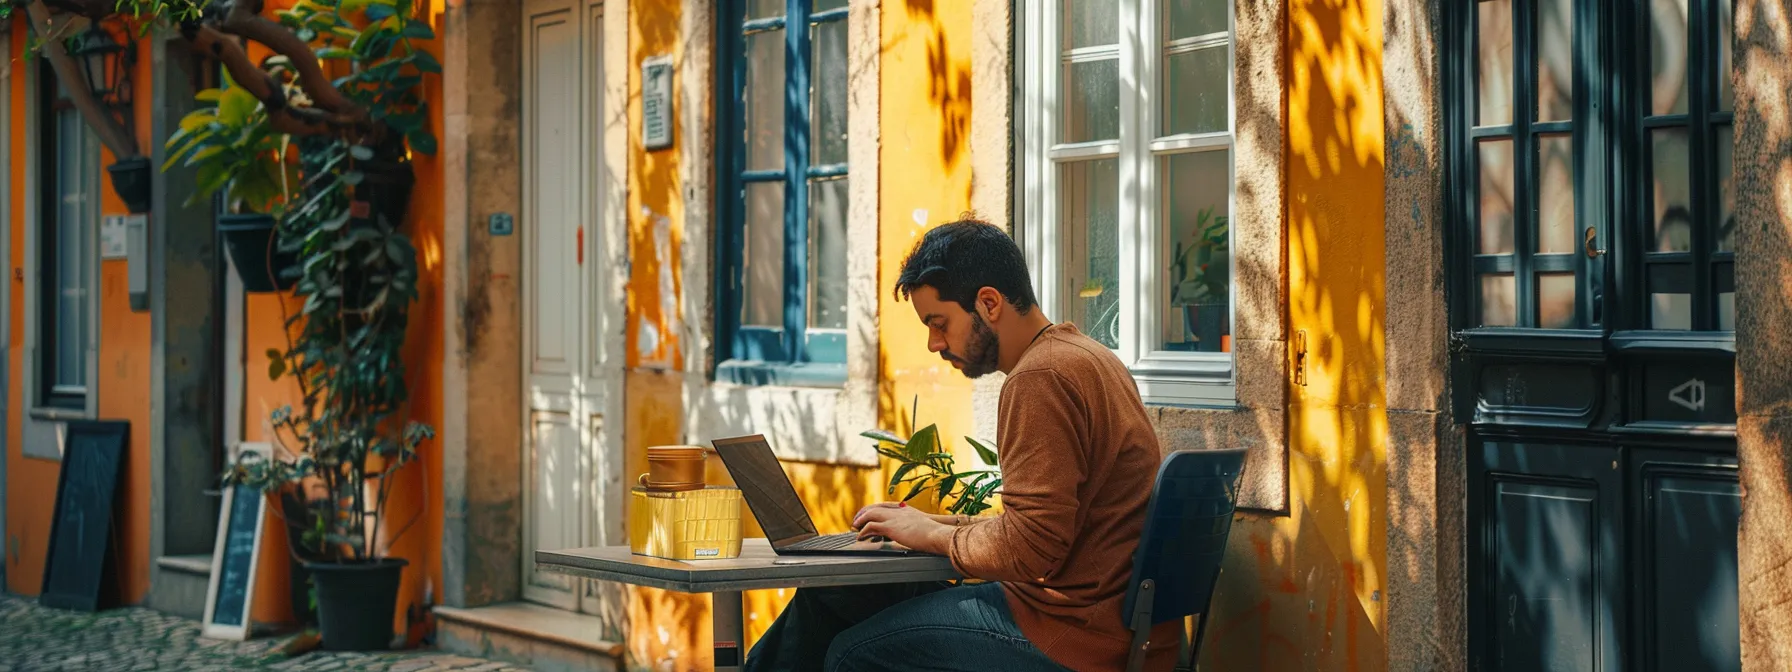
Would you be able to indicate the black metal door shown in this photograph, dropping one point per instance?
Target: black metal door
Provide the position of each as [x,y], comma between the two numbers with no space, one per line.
[1592,305]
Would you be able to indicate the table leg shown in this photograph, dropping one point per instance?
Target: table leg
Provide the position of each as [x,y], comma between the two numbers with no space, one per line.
[730,644]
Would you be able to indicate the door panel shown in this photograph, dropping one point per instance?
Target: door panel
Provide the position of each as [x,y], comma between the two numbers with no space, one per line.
[565,384]
[1688,513]
[1550,540]
[555,495]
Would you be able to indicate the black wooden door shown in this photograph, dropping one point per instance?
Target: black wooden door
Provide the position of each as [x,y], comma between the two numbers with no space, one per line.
[1592,306]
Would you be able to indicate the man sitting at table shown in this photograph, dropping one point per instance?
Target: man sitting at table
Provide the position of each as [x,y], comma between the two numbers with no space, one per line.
[1079,456]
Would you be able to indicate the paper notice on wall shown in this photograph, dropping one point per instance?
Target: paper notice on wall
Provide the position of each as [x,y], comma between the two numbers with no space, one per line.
[113,238]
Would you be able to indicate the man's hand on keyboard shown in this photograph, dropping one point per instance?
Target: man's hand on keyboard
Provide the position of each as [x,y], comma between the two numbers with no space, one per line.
[905,526]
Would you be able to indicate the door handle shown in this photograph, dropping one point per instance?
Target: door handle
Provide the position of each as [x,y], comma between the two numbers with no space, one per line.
[1592,237]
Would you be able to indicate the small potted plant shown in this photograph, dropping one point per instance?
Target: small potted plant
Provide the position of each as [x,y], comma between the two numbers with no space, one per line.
[236,151]
[1200,275]
[923,464]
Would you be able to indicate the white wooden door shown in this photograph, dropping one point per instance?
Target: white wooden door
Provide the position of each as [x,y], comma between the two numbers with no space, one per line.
[566,383]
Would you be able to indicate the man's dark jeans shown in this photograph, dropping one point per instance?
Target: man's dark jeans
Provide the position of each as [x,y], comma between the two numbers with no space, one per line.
[898,627]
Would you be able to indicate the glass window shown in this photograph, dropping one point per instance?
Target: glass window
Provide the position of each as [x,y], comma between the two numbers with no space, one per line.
[1130,187]
[782,284]
[67,209]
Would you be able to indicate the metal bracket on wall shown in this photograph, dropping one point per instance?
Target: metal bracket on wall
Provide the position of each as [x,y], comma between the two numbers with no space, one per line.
[1300,357]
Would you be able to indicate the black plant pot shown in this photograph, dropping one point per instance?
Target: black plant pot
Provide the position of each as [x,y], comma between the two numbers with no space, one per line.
[356,603]
[386,189]
[131,180]
[260,265]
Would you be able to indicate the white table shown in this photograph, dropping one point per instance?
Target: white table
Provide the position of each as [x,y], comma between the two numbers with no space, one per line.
[758,567]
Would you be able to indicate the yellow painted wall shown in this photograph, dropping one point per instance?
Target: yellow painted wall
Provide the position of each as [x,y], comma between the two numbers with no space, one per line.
[1308,591]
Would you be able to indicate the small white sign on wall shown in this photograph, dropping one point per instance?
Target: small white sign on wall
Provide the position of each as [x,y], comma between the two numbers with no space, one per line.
[113,237]
[656,102]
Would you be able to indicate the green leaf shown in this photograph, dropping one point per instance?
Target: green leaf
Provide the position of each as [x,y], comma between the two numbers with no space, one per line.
[418,30]
[900,472]
[426,62]
[922,443]
[422,141]
[899,457]
[377,10]
[209,95]
[276,367]
[353,177]
[884,436]
[945,488]
[987,454]
[362,152]
[339,53]
[236,106]
[919,486]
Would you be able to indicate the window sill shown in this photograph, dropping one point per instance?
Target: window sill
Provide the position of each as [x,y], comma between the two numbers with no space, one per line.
[56,413]
[761,374]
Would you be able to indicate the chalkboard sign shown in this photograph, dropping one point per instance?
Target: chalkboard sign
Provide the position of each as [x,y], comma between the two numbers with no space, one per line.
[234,556]
[79,569]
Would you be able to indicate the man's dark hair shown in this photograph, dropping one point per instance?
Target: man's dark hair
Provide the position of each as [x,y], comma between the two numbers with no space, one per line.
[962,257]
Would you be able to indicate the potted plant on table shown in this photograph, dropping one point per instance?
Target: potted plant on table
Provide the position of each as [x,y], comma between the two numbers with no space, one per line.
[1200,273]
[924,464]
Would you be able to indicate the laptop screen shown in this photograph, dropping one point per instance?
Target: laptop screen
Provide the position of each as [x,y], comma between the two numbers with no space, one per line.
[765,487]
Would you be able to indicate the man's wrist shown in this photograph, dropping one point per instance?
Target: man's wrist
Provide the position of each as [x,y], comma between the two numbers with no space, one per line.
[940,539]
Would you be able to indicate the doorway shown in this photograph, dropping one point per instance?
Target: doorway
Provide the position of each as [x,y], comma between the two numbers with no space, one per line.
[569,381]
[1591,265]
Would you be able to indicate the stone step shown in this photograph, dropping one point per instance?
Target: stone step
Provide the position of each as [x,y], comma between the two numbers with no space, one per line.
[542,638]
[179,585]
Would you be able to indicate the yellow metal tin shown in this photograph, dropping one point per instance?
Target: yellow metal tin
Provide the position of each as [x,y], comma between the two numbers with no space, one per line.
[686,525]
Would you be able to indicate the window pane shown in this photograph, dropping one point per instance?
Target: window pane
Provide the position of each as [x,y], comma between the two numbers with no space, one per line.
[70,305]
[1726,189]
[1495,60]
[1555,300]
[1194,18]
[1726,311]
[1496,196]
[760,9]
[1498,305]
[1555,200]
[1089,211]
[1197,91]
[1725,33]
[1667,56]
[764,102]
[1672,190]
[827,94]
[826,5]
[1670,311]
[762,260]
[1198,261]
[827,253]
[1091,94]
[1090,23]
[1555,60]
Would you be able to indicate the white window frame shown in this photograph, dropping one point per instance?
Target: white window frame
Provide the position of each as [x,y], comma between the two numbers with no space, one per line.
[1164,376]
[44,424]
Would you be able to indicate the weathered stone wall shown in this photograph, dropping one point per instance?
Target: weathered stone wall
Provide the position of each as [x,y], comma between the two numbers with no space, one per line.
[1762,74]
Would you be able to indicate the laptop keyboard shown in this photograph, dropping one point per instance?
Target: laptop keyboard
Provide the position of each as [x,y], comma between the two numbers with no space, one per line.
[829,542]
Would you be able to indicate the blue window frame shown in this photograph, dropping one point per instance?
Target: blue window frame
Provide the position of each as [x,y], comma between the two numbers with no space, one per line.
[781,158]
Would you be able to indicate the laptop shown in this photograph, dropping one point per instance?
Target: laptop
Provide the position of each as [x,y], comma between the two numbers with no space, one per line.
[774,502]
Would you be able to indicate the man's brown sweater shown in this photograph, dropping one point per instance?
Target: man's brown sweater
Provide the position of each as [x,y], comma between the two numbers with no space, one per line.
[1079,458]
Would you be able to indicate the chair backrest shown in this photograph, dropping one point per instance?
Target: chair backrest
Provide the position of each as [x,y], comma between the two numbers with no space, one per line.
[1186,525]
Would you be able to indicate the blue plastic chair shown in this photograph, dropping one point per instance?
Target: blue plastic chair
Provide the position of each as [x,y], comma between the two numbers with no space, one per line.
[1178,560]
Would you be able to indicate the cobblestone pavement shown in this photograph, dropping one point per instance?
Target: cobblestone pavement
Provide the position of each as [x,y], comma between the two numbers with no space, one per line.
[39,639]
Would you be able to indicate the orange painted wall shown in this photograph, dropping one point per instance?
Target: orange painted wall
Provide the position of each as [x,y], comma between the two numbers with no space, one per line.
[1308,591]
[122,373]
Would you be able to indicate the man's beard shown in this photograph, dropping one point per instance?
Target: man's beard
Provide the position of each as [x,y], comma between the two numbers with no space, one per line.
[982,353]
